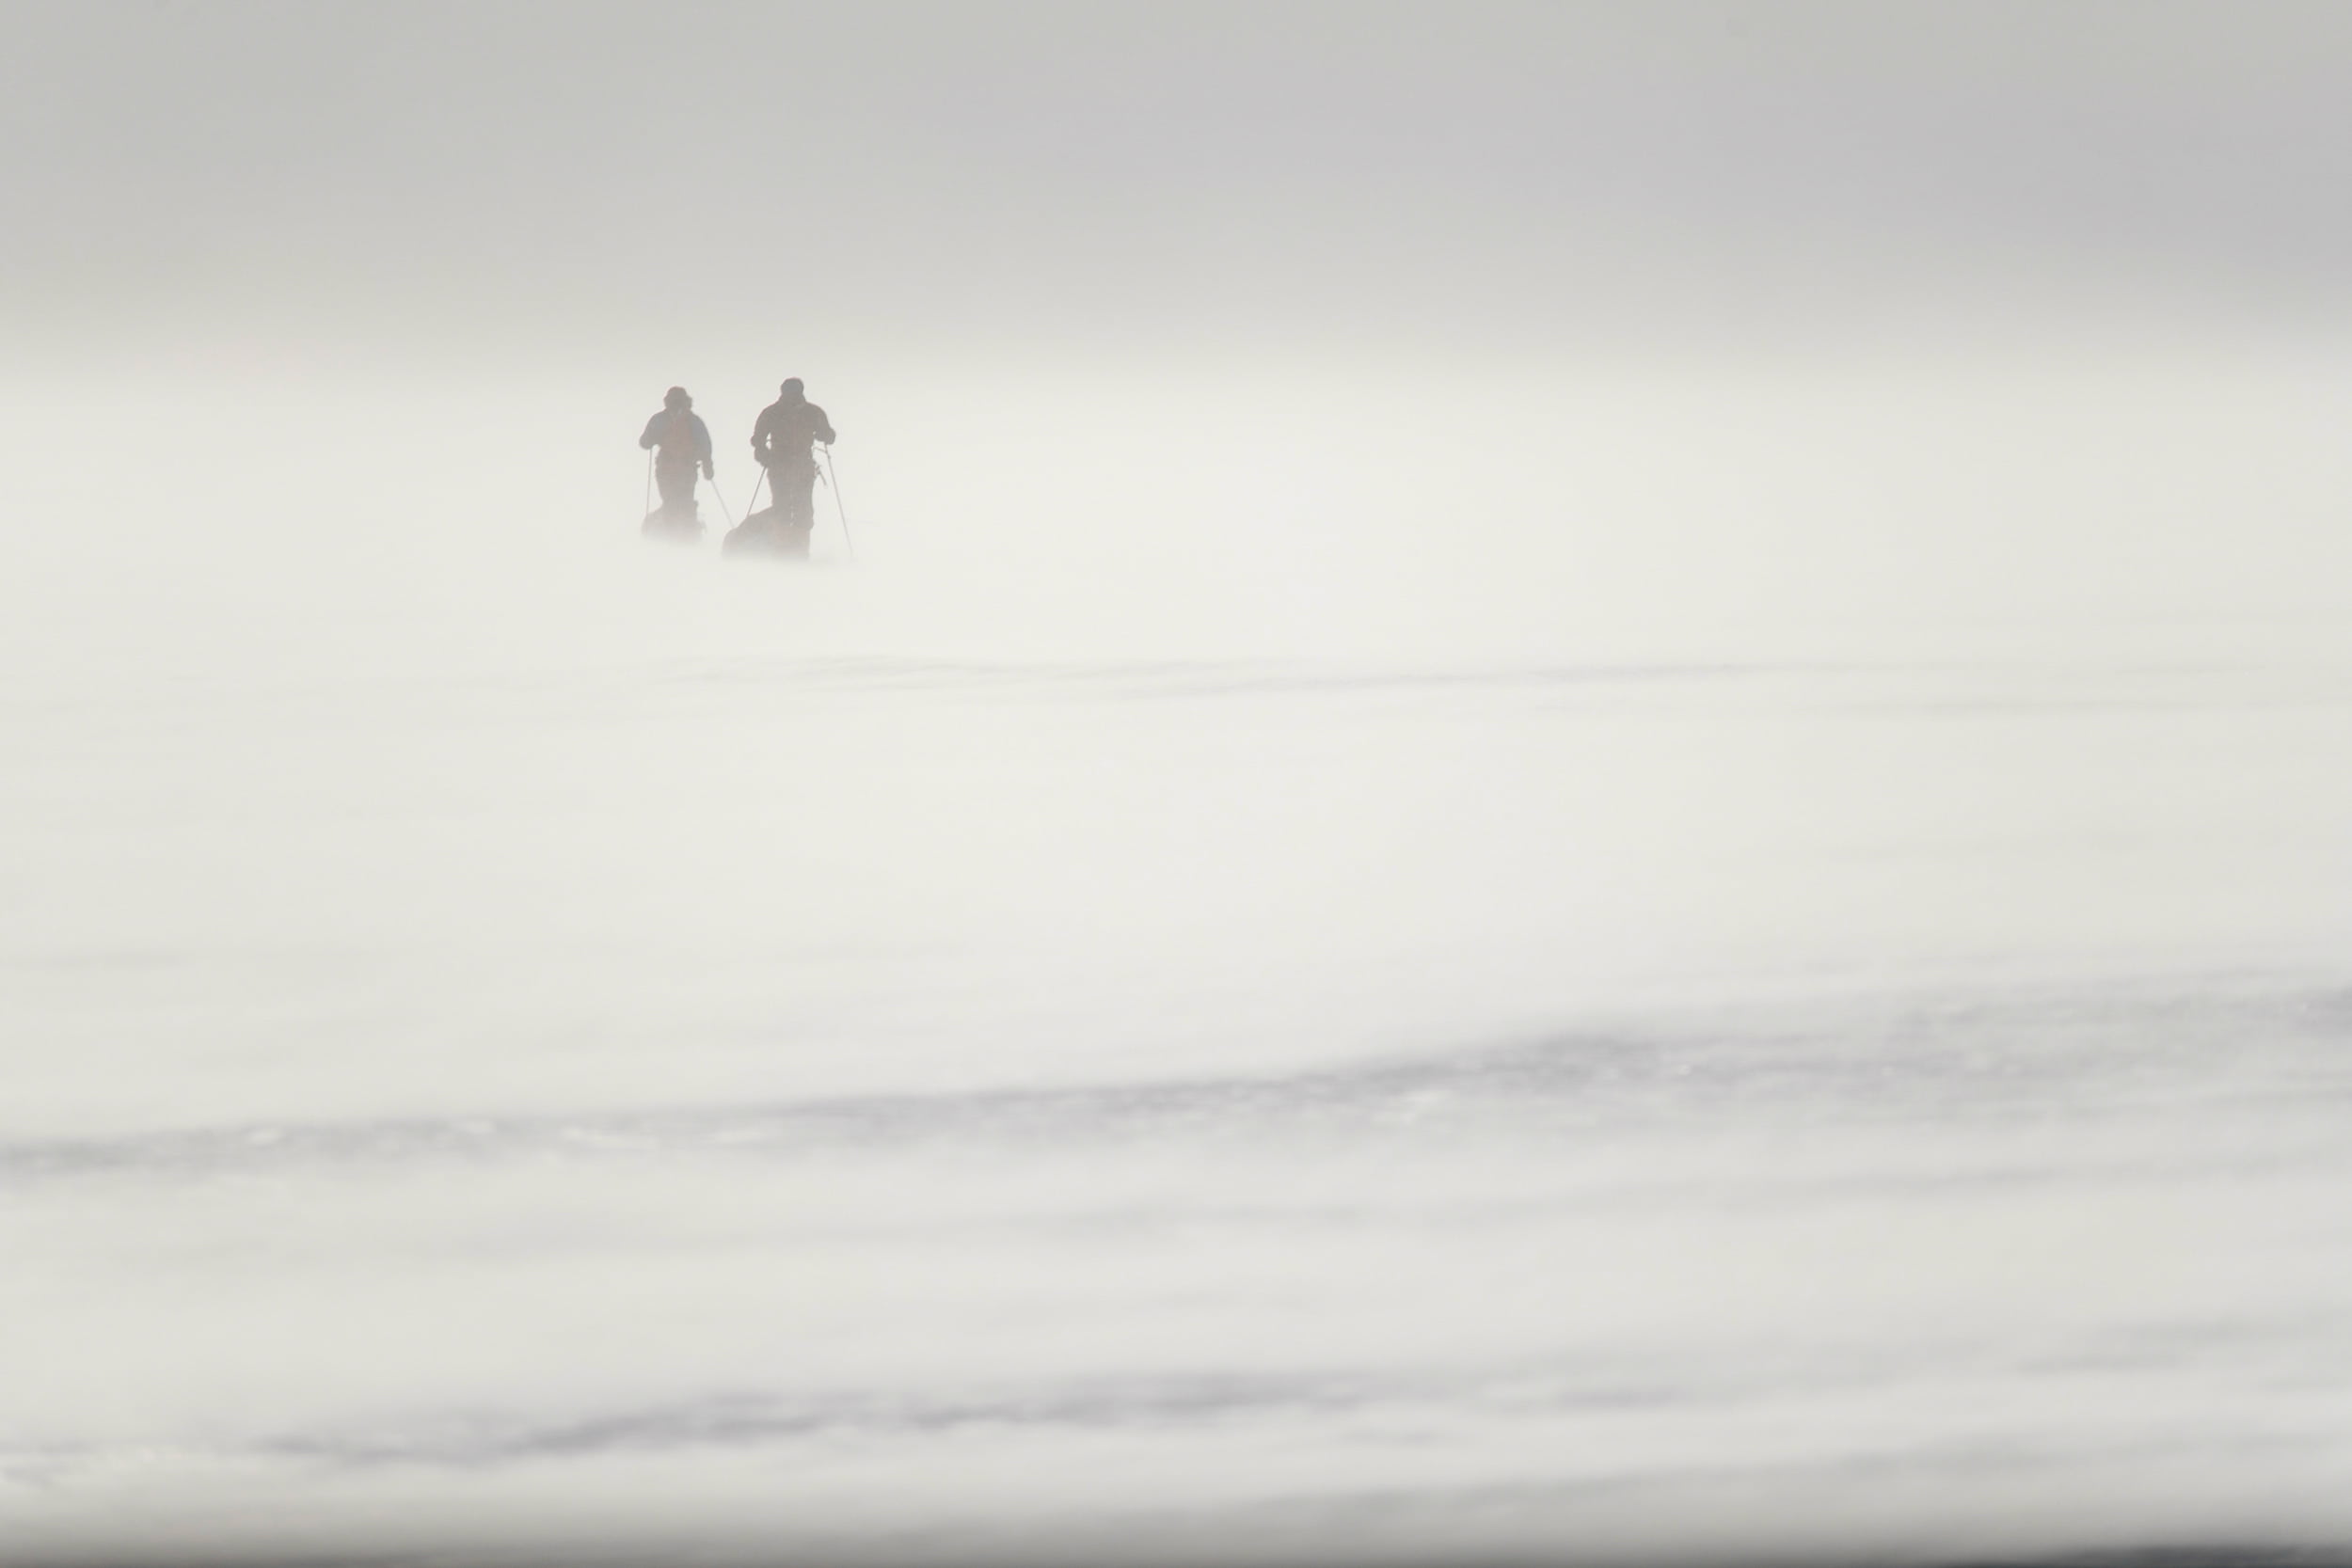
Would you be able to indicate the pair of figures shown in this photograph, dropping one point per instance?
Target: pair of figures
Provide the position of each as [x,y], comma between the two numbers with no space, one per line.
[781,443]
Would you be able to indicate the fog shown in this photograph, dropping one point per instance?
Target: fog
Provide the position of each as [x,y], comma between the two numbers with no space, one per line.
[1557,782]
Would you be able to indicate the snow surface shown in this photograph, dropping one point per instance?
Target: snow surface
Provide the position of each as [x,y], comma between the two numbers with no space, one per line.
[1369,1007]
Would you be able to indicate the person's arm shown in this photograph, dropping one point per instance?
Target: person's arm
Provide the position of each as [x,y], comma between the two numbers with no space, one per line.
[760,428]
[702,446]
[824,426]
[646,439]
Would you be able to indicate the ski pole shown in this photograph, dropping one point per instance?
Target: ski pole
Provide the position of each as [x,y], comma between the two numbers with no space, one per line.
[723,502]
[833,483]
[650,479]
[752,505]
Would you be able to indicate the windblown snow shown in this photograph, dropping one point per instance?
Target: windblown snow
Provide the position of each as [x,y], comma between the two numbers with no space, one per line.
[1278,971]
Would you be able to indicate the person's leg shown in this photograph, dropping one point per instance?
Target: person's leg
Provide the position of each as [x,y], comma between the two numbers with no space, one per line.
[807,493]
[677,482]
[792,517]
[796,492]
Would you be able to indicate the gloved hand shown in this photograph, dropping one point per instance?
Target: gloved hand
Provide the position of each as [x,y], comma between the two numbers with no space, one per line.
[708,472]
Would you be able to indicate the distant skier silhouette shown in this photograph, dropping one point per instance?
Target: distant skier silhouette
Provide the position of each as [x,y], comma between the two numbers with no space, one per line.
[781,443]
[680,443]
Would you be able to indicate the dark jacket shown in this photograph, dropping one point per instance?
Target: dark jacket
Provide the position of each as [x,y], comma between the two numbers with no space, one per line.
[785,431]
[682,437]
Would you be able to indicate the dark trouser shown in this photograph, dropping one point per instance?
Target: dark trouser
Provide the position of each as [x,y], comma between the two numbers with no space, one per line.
[795,488]
[677,483]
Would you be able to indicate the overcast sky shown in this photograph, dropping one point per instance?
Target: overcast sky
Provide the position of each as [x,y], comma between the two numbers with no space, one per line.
[548,178]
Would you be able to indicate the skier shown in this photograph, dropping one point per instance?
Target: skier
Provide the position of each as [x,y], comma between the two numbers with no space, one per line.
[680,443]
[780,444]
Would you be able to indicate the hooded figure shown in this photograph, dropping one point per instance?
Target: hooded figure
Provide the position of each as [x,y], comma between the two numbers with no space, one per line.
[680,443]
[780,443]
